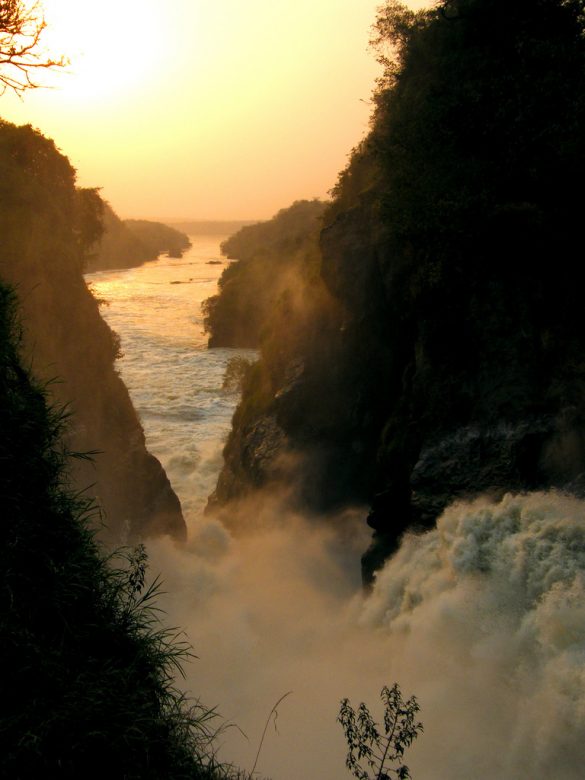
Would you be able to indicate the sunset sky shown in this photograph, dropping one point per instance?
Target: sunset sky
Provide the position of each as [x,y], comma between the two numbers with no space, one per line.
[210,109]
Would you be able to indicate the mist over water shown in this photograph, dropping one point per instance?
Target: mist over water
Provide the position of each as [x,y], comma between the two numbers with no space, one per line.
[486,619]
[483,618]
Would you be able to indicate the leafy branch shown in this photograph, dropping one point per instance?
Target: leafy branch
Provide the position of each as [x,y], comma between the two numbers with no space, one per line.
[370,748]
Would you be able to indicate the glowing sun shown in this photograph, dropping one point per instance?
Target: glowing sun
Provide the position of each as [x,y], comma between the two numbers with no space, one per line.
[113,46]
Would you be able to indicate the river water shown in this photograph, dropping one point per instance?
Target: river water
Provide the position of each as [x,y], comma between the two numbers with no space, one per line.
[175,382]
[262,613]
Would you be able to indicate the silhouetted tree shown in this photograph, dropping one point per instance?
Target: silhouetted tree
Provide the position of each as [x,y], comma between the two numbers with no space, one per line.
[21,28]
[380,748]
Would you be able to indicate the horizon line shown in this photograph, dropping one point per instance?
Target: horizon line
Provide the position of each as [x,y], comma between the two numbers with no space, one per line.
[196,219]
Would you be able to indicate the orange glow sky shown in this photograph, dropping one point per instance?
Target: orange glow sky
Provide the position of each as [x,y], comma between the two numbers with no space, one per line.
[210,109]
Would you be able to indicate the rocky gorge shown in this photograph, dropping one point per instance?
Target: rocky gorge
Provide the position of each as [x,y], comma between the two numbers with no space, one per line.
[434,351]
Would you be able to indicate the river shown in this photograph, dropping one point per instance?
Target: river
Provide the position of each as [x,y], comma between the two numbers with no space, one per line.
[175,382]
[262,613]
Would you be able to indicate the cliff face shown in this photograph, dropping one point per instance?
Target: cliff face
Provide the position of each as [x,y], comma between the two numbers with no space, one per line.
[453,364]
[278,278]
[45,225]
[476,385]
[268,257]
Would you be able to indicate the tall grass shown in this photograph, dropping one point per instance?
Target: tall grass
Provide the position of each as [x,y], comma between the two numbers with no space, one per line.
[88,671]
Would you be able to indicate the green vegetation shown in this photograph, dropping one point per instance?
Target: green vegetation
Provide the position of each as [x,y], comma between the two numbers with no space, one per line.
[88,682]
[381,751]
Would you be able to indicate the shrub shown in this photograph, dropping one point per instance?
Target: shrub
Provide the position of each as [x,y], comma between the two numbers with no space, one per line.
[368,746]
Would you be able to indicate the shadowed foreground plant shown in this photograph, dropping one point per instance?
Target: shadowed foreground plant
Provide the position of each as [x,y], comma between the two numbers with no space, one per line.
[380,750]
[88,671]
[272,715]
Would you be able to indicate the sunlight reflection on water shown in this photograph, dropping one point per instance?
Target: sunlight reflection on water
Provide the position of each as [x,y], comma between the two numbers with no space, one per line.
[175,382]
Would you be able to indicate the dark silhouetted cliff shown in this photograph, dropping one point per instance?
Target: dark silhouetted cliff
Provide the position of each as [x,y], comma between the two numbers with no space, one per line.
[87,688]
[45,227]
[455,365]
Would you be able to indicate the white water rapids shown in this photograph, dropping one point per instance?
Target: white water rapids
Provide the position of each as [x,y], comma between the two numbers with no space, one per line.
[483,619]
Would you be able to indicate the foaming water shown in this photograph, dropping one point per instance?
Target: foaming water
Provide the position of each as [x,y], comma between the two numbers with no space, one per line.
[483,618]
[175,382]
[486,620]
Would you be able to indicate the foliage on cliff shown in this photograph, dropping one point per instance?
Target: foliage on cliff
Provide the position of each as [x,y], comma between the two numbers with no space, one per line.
[273,297]
[449,246]
[478,135]
[131,242]
[87,685]
[47,227]
[159,238]
[271,261]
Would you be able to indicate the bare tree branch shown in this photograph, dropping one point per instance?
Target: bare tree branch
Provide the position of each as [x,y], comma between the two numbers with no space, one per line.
[21,28]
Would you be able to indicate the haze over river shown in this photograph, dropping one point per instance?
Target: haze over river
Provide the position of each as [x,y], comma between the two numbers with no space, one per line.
[483,618]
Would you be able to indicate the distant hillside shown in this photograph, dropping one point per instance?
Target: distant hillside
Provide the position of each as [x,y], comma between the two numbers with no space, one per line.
[128,243]
[158,238]
[212,227]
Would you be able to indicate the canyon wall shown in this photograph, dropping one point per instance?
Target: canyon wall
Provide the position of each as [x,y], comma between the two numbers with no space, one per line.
[46,226]
[450,362]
